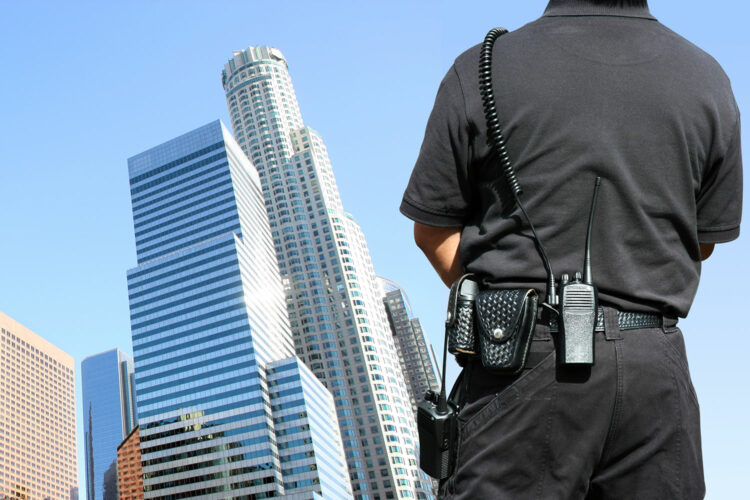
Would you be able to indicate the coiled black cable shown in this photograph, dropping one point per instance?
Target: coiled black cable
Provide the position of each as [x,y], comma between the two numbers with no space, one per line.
[494,131]
[496,141]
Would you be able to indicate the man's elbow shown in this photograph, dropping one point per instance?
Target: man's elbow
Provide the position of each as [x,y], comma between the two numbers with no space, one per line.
[440,246]
[422,237]
[706,250]
[430,238]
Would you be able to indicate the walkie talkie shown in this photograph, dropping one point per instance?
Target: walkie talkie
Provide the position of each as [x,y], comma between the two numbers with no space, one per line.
[437,424]
[579,307]
[438,430]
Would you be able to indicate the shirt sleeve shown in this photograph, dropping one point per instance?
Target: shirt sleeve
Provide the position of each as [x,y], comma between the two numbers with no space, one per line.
[719,201]
[438,193]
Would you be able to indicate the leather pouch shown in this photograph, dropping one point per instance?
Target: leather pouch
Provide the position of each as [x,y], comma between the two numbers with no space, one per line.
[460,322]
[505,324]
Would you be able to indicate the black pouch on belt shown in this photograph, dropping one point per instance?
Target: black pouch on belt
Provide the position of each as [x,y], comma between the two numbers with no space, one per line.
[505,321]
[460,324]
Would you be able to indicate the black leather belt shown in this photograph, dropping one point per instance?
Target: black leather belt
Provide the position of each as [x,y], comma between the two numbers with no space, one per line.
[626,320]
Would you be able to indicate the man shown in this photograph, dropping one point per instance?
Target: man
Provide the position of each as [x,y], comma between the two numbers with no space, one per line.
[592,88]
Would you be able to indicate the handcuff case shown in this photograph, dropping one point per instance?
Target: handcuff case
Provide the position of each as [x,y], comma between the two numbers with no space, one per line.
[494,325]
[505,324]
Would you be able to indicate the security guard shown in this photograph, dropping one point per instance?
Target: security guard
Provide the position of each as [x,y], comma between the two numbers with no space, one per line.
[592,88]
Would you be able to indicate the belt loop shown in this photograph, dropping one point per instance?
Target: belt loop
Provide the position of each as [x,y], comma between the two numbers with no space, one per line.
[611,325]
[541,332]
[542,329]
[668,324]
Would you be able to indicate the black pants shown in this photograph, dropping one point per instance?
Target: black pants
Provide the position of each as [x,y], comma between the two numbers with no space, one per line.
[627,428]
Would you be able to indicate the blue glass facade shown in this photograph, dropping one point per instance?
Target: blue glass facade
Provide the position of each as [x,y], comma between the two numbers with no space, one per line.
[310,446]
[108,416]
[208,317]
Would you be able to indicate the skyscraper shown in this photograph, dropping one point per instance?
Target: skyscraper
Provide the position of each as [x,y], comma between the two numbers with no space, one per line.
[37,416]
[333,298]
[211,334]
[108,416]
[413,351]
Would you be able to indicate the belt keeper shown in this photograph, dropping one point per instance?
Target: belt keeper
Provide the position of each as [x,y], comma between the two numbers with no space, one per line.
[611,324]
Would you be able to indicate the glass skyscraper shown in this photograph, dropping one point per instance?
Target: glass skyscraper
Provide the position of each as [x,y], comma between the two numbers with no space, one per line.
[108,416]
[333,298]
[216,376]
[413,350]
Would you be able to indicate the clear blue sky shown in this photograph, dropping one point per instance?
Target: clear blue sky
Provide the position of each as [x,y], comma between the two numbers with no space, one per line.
[85,85]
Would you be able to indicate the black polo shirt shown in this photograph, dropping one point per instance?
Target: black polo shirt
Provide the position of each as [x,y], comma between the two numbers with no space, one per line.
[588,90]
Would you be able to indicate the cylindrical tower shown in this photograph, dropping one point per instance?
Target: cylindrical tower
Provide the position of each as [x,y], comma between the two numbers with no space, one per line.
[335,308]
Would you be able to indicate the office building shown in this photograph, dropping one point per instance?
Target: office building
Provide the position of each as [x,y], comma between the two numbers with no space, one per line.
[129,470]
[209,327]
[108,416]
[333,298]
[411,344]
[299,401]
[38,458]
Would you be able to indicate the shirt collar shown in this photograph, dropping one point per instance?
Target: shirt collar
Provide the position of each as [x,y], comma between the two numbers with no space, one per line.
[591,8]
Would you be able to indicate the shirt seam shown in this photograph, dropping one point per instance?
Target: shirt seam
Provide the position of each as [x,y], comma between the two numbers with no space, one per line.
[565,49]
[732,138]
[735,127]
[715,229]
[463,94]
[432,210]
[463,107]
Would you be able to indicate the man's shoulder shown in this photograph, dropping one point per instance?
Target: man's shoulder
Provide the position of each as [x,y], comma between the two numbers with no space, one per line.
[468,60]
[466,65]
[688,52]
[526,41]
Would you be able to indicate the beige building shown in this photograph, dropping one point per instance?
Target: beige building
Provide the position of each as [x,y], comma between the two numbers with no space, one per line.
[37,416]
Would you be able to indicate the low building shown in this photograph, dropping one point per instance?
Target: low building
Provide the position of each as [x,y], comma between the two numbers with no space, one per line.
[129,471]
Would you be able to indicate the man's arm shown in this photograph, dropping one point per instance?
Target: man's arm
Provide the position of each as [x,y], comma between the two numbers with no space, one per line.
[706,250]
[440,245]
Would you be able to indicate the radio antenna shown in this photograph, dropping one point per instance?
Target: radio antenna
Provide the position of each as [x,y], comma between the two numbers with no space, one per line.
[435,361]
[442,403]
[587,278]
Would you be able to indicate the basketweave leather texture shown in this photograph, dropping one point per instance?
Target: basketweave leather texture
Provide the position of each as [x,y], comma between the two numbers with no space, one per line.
[461,338]
[626,320]
[505,321]
[460,324]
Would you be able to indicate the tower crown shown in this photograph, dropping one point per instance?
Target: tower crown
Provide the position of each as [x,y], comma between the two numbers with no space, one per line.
[241,59]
